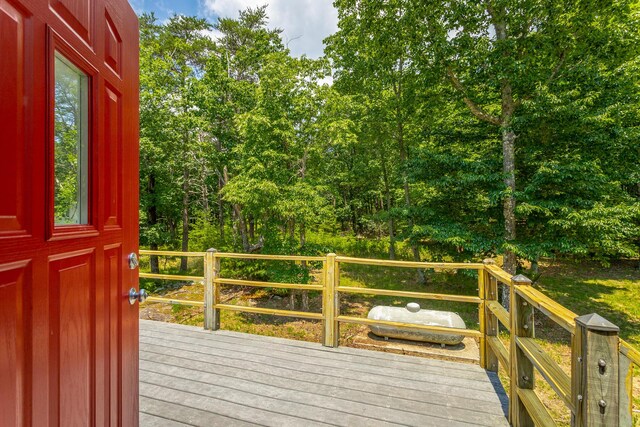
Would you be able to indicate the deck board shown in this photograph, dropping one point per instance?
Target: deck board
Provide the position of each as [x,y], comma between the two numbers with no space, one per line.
[189,376]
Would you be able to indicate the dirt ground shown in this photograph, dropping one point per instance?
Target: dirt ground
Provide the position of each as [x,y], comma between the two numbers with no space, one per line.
[358,336]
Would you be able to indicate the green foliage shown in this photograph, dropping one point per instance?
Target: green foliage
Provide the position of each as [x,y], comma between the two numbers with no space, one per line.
[243,147]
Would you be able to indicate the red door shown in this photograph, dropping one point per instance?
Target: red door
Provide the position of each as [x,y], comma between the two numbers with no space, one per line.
[68,212]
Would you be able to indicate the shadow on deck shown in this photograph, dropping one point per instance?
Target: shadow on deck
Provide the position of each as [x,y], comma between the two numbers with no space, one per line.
[189,376]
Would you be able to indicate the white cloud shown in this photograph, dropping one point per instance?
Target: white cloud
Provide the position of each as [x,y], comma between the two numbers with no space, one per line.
[305,23]
[137,6]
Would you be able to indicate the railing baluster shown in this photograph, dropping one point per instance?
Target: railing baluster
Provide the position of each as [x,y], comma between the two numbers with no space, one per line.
[216,292]
[211,291]
[625,385]
[487,289]
[336,305]
[521,367]
[331,332]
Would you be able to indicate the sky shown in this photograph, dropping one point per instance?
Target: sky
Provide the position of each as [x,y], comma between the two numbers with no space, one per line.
[305,23]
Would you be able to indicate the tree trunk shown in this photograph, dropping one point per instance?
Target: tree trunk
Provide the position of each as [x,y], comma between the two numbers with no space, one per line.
[205,195]
[252,228]
[509,203]
[220,209]
[399,92]
[152,220]
[305,299]
[240,222]
[153,259]
[391,225]
[510,261]
[292,299]
[185,219]
[535,268]
[420,276]
[242,226]
[352,213]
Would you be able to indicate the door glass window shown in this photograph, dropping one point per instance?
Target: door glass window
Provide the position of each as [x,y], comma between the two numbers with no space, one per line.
[71,177]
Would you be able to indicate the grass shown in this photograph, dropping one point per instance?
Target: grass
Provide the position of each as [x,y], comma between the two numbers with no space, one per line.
[613,292]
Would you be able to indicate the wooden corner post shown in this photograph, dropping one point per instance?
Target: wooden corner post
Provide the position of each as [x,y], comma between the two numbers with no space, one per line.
[522,379]
[595,372]
[330,305]
[211,290]
[488,291]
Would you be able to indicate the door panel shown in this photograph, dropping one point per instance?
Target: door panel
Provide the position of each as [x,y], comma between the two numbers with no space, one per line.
[13,209]
[112,190]
[68,336]
[77,14]
[113,45]
[72,316]
[112,279]
[15,290]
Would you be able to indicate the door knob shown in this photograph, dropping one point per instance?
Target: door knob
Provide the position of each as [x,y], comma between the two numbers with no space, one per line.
[133,260]
[134,296]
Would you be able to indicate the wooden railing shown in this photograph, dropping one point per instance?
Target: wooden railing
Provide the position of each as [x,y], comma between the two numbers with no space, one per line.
[598,391]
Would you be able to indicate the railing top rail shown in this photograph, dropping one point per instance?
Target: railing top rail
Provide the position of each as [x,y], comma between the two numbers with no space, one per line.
[170,253]
[270,257]
[410,264]
[552,309]
[631,352]
[498,273]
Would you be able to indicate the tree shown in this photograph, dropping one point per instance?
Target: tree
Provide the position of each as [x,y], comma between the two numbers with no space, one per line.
[173,148]
[231,78]
[448,125]
[372,58]
[501,55]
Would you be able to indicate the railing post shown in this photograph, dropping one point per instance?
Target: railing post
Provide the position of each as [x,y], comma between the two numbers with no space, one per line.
[488,291]
[595,372]
[336,304]
[625,387]
[521,314]
[211,290]
[330,305]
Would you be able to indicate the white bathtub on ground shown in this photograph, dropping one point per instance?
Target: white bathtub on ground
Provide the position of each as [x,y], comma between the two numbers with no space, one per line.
[413,314]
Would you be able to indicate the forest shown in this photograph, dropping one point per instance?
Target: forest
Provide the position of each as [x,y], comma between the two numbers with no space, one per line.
[441,130]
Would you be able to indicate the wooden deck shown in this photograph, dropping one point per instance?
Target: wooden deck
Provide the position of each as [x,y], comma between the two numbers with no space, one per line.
[189,376]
